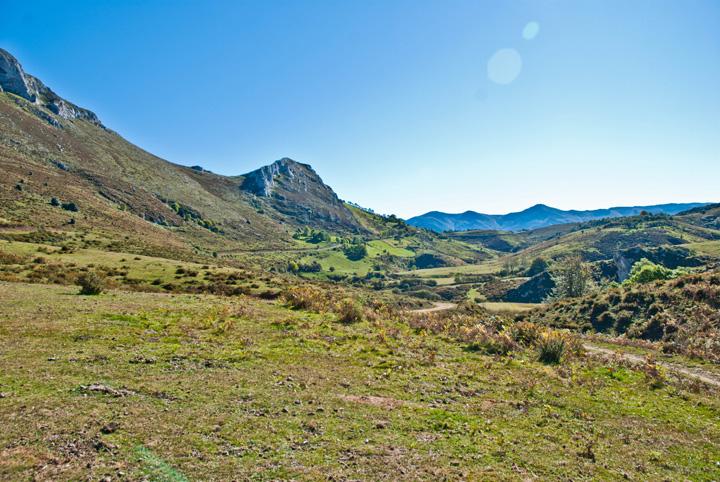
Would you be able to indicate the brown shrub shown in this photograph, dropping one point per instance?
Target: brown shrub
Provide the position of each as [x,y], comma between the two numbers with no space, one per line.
[525,333]
[306,298]
[349,311]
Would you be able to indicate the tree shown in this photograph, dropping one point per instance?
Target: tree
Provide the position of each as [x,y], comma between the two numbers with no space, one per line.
[355,252]
[572,277]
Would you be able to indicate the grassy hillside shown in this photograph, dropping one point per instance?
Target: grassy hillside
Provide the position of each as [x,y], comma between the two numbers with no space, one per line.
[180,387]
[683,315]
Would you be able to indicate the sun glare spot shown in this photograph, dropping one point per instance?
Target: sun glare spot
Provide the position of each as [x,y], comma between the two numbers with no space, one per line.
[504,66]
[531,30]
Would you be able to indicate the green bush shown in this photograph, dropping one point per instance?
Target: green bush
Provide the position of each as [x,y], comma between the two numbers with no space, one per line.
[91,284]
[645,271]
[551,347]
[72,207]
[355,252]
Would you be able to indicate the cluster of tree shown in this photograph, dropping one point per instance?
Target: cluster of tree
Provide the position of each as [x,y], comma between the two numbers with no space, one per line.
[192,215]
[355,250]
[311,235]
[311,267]
[69,206]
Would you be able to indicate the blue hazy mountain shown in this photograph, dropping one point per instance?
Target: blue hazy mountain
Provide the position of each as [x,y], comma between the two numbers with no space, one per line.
[537,216]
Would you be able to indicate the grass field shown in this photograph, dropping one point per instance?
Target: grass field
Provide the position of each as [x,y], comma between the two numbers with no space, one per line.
[487,267]
[146,272]
[505,307]
[188,387]
[709,248]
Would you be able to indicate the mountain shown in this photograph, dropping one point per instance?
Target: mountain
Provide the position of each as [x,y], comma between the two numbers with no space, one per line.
[64,170]
[537,216]
[296,191]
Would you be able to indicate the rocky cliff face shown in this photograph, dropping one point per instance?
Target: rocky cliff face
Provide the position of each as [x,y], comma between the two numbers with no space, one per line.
[261,182]
[294,189]
[13,79]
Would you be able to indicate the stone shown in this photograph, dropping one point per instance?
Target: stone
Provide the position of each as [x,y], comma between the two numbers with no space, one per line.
[13,79]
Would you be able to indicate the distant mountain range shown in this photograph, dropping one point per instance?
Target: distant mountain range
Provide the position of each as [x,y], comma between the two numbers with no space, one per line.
[537,216]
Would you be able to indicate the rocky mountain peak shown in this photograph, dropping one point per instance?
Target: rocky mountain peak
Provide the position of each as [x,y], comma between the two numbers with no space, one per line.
[263,181]
[296,190]
[13,79]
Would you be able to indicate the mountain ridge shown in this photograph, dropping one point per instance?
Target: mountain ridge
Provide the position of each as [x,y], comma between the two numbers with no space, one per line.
[536,216]
[52,149]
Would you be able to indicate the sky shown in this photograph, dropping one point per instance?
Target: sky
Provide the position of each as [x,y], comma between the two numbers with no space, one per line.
[404,106]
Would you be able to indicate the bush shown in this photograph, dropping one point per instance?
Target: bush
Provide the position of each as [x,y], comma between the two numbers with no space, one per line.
[349,311]
[645,271]
[305,298]
[70,207]
[551,347]
[488,340]
[525,333]
[355,252]
[55,202]
[91,284]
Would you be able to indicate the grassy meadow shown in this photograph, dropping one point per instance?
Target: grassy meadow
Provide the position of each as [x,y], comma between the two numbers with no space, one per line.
[134,385]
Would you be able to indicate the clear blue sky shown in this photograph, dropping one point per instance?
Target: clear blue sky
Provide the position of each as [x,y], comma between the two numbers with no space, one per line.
[404,106]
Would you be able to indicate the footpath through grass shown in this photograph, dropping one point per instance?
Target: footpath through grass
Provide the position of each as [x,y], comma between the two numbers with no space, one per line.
[198,387]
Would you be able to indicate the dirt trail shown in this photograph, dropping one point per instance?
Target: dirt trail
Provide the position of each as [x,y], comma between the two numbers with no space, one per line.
[435,307]
[690,372]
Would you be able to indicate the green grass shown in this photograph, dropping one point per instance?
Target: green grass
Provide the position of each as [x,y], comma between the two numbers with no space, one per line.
[281,394]
[388,246]
[139,270]
[709,248]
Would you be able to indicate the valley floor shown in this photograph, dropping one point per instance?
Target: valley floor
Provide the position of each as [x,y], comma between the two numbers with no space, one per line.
[197,387]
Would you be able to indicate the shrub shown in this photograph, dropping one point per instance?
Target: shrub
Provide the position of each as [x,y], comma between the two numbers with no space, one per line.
[551,347]
[305,298]
[55,202]
[312,267]
[355,252]
[69,207]
[645,271]
[91,284]
[349,311]
[525,333]
[487,340]
[9,258]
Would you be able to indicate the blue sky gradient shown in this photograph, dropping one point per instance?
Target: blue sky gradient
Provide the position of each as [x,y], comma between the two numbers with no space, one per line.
[614,102]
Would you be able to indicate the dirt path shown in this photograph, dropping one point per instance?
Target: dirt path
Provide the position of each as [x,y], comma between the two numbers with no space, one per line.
[436,307]
[690,372]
